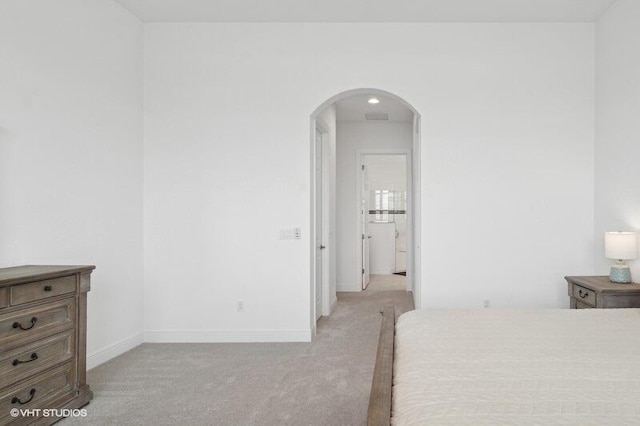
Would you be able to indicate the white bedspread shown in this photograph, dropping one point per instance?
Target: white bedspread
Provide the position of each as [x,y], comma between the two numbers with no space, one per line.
[517,367]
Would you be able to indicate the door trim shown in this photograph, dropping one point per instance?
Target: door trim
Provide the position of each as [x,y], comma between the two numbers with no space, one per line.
[320,205]
[320,125]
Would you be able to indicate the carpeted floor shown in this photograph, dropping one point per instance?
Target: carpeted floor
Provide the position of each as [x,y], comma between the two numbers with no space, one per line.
[325,382]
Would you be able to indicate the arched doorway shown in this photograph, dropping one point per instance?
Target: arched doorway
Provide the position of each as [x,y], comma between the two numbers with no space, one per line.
[322,218]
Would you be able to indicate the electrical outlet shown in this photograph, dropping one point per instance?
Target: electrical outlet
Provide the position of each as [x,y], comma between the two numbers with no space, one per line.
[487,303]
[240,306]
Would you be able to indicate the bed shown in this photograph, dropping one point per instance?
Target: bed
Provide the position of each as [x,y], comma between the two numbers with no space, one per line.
[508,367]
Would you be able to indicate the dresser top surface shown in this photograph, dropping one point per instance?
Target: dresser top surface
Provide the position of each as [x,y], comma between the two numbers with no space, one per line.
[602,284]
[26,273]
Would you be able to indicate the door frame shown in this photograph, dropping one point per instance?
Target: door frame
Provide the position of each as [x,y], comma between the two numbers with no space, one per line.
[323,128]
[363,235]
[407,153]
[319,214]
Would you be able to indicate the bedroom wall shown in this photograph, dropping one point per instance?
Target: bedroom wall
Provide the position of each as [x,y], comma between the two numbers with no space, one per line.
[71,153]
[507,163]
[354,136]
[617,175]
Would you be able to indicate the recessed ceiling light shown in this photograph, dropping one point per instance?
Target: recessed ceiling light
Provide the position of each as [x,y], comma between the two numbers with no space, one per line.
[374,100]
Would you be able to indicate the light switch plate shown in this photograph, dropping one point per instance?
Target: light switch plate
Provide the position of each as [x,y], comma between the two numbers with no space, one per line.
[290,234]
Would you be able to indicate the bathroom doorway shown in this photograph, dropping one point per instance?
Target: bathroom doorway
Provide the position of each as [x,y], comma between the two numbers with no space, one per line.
[384,218]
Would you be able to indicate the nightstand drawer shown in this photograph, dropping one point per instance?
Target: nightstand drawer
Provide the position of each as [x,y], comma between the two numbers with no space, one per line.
[26,325]
[584,295]
[39,290]
[37,357]
[580,305]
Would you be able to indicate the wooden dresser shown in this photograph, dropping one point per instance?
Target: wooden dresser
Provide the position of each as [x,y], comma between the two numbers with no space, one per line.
[43,334]
[599,292]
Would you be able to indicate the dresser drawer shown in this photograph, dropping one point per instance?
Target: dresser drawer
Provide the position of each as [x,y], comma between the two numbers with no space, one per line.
[584,295]
[26,325]
[25,293]
[37,357]
[580,305]
[4,299]
[37,391]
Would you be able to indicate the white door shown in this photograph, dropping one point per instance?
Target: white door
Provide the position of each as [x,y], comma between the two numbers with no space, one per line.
[364,223]
[318,220]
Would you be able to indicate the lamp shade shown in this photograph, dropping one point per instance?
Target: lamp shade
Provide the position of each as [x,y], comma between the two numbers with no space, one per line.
[620,245]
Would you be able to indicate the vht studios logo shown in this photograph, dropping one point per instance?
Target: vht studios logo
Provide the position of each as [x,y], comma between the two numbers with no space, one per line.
[48,412]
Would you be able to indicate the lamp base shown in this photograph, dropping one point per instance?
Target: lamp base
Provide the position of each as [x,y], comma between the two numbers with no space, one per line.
[620,274]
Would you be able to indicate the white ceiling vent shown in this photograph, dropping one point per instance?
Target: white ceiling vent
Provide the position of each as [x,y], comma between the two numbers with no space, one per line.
[378,116]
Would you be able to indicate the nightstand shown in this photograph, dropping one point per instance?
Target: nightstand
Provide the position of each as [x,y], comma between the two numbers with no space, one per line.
[599,292]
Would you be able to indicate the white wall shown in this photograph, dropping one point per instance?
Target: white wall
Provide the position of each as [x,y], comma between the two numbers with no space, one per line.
[617,174]
[351,137]
[389,172]
[507,163]
[71,153]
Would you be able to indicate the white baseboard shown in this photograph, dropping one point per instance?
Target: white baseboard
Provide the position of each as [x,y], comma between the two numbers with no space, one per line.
[226,336]
[196,336]
[105,354]
[382,271]
[348,287]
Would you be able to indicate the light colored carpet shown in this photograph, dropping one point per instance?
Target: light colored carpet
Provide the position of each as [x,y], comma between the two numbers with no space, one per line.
[387,282]
[326,382]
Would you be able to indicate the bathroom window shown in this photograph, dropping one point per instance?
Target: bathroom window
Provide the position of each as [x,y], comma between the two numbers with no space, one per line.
[387,204]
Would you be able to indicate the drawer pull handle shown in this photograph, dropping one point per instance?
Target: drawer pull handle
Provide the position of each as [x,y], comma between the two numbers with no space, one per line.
[18,325]
[48,288]
[34,356]
[583,295]
[15,399]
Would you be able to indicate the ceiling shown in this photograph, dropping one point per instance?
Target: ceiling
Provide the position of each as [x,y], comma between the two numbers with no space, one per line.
[367,10]
[354,108]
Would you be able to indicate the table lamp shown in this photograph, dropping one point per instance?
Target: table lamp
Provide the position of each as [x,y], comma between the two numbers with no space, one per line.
[620,246]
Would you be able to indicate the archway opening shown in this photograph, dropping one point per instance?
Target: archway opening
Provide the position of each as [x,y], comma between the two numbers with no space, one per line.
[342,206]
